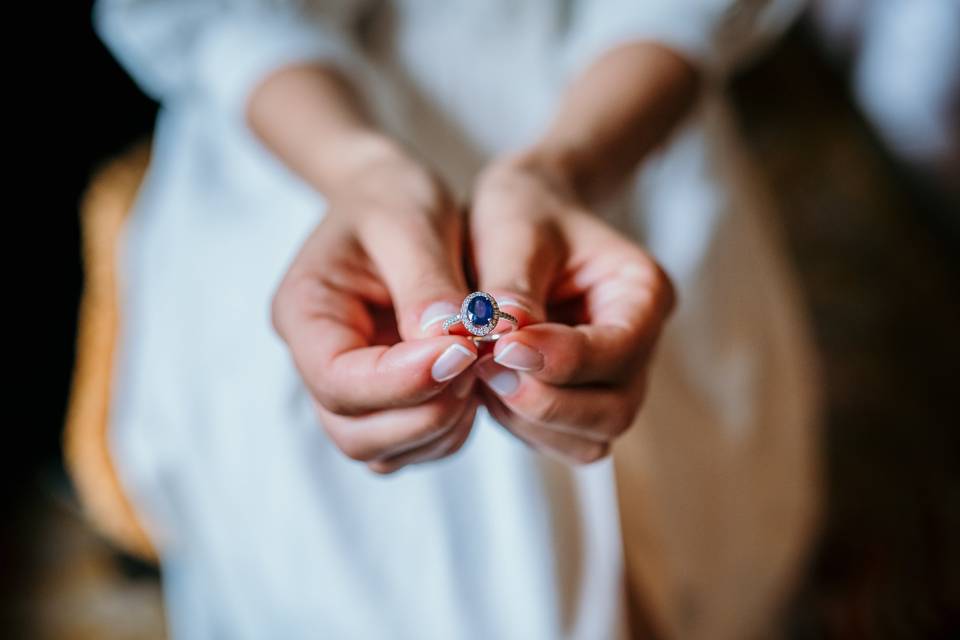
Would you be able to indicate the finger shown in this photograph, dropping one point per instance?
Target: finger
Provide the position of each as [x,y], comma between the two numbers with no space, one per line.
[447,445]
[377,378]
[329,333]
[616,296]
[596,413]
[627,305]
[586,354]
[516,262]
[386,434]
[421,261]
[458,393]
[566,447]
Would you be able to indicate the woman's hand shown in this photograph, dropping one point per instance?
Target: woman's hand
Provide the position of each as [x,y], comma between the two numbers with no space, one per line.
[360,308]
[568,386]
[385,265]
[574,383]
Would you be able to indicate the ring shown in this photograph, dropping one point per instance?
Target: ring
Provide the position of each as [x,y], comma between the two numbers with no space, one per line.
[479,315]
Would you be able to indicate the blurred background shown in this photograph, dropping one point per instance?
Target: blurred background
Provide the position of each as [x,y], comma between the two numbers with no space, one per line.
[854,117]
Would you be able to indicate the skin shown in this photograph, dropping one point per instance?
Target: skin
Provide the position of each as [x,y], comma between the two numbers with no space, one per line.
[356,304]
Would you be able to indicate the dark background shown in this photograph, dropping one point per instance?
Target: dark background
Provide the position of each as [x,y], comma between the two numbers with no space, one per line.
[878,254]
[71,108]
[80,109]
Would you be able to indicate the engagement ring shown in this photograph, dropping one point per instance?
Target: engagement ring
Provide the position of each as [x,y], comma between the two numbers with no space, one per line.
[479,315]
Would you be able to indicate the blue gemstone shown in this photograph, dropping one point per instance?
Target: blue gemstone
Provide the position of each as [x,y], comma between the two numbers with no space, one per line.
[480,311]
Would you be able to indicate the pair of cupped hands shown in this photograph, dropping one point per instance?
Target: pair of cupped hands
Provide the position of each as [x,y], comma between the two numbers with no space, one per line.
[362,304]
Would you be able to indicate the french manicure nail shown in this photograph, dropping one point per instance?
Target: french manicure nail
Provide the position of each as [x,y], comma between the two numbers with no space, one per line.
[503,381]
[519,356]
[437,312]
[452,362]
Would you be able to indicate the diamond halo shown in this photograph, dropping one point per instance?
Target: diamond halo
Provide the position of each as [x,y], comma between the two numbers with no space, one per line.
[475,329]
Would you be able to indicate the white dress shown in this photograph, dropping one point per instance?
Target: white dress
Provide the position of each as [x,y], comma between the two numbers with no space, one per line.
[266,530]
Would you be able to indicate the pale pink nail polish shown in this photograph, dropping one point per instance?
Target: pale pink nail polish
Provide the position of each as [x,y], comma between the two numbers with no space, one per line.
[507,301]
[437,313]
[519,356]
[510,302]
[452,362]
[503,381]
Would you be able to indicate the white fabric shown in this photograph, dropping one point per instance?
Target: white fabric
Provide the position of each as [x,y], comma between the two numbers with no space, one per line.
[907,75]
[266,530]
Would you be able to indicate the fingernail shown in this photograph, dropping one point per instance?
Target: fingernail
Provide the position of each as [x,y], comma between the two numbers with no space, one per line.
[452,362]
[503,381]
[519,356]
[513,302]
[437,312]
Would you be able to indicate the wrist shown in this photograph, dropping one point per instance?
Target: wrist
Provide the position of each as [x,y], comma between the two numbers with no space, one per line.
[622,107]
[553,167]
[339,160]
[377,168]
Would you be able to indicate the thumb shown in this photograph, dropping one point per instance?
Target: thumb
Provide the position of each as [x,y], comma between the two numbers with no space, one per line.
[420,262]
[517,263]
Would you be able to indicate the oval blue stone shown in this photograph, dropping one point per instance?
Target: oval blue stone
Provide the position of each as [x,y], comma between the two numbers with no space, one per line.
[480,311]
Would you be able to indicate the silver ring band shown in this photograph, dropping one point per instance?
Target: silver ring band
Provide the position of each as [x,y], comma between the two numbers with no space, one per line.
[479,315]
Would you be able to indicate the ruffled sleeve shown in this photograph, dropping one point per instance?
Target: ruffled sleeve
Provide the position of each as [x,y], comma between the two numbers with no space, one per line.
[219,51]
[716,35]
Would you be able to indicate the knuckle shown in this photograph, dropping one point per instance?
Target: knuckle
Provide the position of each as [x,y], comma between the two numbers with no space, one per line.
[591,453]
[329,401]
[622,417]
[383,468]
[279,306]
[430,456]
[275,313]
[654,280]
[350,445]
[438,414]
[664,290]
[457,445]
[569,368]
[548,408]
[419,230]
[287,297]
[437,417]
[459,438]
